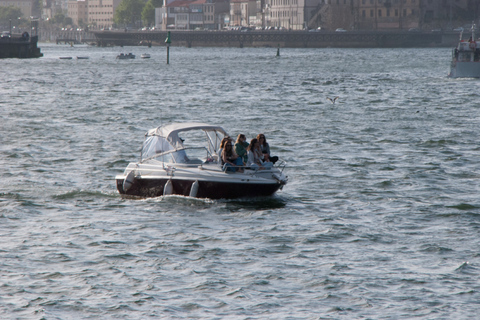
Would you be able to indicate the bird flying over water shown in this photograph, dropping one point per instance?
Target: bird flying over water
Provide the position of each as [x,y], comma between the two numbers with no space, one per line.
[333,100]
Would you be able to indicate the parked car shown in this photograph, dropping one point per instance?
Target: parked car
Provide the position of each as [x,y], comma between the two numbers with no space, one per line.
[5,34]
[340,30]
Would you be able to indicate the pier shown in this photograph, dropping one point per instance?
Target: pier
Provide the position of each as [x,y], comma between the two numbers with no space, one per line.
[288,39]
[19,46]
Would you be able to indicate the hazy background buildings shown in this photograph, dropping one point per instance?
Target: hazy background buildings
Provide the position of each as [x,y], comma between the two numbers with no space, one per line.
[426,15]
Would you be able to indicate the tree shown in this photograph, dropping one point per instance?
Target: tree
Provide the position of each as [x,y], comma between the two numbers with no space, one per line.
[129,12]
[148,13]
[8,14]
[59,18]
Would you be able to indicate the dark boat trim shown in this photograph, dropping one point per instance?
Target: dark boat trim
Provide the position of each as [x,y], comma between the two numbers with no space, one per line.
[207,189]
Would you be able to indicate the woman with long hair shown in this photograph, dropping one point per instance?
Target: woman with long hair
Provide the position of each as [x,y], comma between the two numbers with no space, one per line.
[231,159]
[265,147]
[241,147]
[254,153]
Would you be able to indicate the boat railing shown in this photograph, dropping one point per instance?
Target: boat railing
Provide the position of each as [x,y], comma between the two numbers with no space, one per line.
[280,165]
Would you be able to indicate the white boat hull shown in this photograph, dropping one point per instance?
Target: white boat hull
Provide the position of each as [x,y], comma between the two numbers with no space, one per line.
[469,69]
[204,181]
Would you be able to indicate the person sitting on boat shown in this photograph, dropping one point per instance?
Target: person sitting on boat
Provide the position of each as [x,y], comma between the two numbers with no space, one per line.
[231,159]
[255,156]
[222,146]
[265,147]
[241,146]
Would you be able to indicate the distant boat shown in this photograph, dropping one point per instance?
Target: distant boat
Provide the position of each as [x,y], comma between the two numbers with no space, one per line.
[466,58]
[66,58]
[126,56]
[145,56]
[82,57]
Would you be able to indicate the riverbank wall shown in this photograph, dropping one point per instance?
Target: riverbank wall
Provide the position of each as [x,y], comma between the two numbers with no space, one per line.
[287,39]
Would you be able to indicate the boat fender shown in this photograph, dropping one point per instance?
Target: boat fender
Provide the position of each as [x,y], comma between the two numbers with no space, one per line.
[168,188]
[472,45]
[279,179]
[194,189]
[129,180]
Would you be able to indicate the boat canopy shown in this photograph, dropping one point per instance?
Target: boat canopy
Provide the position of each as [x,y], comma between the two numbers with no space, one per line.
[166,138]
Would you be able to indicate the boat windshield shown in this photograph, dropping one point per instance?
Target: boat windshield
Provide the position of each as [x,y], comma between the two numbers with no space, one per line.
[201,144]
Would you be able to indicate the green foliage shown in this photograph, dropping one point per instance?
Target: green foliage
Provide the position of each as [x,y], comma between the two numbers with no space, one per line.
[9,13]
[148,14]
[59,18]
[157,3]
[129,12]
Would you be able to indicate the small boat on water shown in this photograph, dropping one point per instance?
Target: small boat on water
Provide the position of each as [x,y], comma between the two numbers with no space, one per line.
[82,58]
[171,166]
[126,56]
[145,56]
[466,58]
[66,58]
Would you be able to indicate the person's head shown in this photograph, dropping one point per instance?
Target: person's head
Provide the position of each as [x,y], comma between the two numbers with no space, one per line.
[252,145]
[261,139]
[228,148]
[224,141]
[241,138]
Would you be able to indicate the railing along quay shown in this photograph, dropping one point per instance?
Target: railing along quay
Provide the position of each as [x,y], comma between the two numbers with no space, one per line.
[292,39]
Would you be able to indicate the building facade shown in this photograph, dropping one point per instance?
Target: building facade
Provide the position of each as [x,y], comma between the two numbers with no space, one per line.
[388,14]
[78,11]
[100,13]
[243,13]
[191,15]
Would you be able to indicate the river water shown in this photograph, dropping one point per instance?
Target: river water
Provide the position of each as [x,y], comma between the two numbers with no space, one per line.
[380,218]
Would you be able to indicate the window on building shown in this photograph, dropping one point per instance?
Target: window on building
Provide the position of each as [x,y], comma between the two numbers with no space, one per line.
[371,13]
[396,12]
[363,13]
[388,12]
[380,12]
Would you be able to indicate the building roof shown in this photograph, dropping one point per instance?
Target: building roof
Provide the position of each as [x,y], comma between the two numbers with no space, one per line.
[179,3]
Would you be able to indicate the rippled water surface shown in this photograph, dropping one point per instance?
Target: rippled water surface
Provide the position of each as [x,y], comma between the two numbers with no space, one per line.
[380,219]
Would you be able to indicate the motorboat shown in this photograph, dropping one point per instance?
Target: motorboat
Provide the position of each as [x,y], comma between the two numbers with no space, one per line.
[145,56]
[183,159]
[466,58]
[126,56]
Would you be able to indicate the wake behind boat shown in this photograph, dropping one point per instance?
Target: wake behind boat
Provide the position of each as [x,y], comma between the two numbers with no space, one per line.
[466,58]
[170,164]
